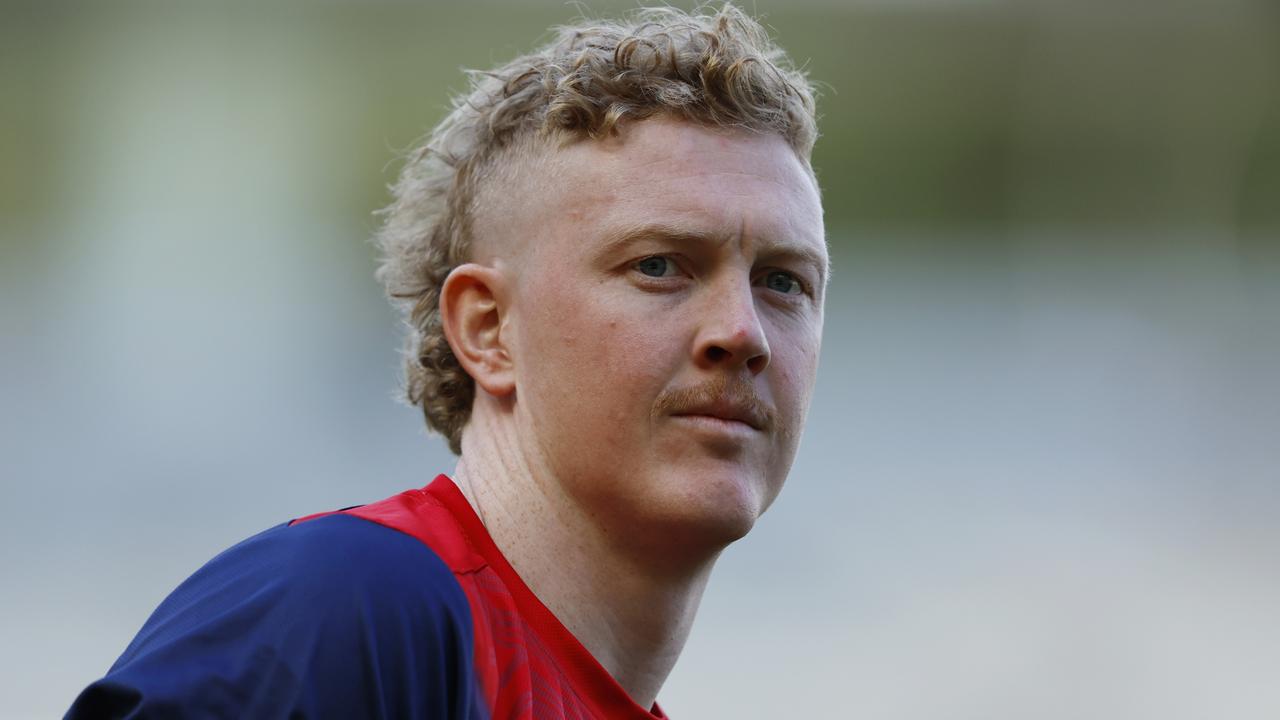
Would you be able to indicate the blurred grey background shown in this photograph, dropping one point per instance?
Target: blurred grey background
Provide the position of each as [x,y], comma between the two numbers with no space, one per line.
[1040,474]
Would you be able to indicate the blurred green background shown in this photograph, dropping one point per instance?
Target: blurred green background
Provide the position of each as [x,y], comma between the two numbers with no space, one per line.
[1040,477]
[937,113]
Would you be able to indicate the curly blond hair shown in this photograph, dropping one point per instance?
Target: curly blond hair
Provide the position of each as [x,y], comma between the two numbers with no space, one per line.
[717,68]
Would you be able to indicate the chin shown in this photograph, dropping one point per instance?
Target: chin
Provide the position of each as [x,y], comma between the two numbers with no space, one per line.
[683,510]
[707,508]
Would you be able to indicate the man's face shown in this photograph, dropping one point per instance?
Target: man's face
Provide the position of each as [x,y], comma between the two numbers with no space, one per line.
[665,325]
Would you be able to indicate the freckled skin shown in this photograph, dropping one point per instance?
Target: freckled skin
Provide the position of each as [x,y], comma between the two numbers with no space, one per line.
[596,342]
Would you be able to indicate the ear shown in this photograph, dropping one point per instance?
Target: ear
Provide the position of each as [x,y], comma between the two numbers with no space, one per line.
[472,310]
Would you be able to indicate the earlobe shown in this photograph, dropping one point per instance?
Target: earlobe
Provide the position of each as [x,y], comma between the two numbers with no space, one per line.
[472,309]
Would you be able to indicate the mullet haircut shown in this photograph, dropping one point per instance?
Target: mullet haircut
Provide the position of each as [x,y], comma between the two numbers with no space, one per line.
[715,68]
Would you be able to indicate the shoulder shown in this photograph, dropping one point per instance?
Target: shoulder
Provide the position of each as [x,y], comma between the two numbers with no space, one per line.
[325,566]
[344,552]
[337,583]
[336,612]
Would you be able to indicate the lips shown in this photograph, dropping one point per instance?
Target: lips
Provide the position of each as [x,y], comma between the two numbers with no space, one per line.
[735,412]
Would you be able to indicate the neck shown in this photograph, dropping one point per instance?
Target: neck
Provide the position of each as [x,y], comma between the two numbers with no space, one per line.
[632,612]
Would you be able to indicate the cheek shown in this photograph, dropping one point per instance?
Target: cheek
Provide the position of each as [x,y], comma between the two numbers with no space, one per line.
[796,370]
[593,361]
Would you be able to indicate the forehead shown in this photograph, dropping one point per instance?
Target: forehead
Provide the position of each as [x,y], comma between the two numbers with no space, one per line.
[696,174]
[710,182]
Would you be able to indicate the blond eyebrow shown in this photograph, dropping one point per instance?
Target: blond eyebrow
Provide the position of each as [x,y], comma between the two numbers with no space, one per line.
[628,235]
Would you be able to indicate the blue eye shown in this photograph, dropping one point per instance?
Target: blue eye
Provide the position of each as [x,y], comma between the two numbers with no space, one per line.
[655,266]
[783,282]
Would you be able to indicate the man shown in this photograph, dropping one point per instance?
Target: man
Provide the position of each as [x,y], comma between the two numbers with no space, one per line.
[613,261]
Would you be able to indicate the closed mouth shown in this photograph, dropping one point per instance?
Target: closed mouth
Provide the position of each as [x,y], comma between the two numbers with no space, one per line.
[737,418]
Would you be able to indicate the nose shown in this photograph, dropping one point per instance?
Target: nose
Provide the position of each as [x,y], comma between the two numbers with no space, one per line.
[731,334]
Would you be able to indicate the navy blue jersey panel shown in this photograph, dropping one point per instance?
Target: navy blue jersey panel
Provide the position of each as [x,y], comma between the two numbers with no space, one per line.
[333,617]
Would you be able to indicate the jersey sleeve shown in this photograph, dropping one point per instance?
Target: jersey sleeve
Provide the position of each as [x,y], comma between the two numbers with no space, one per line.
[333,617]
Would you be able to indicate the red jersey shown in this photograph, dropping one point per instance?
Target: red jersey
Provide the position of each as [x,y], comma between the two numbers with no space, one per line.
[400,609]
[527,664]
